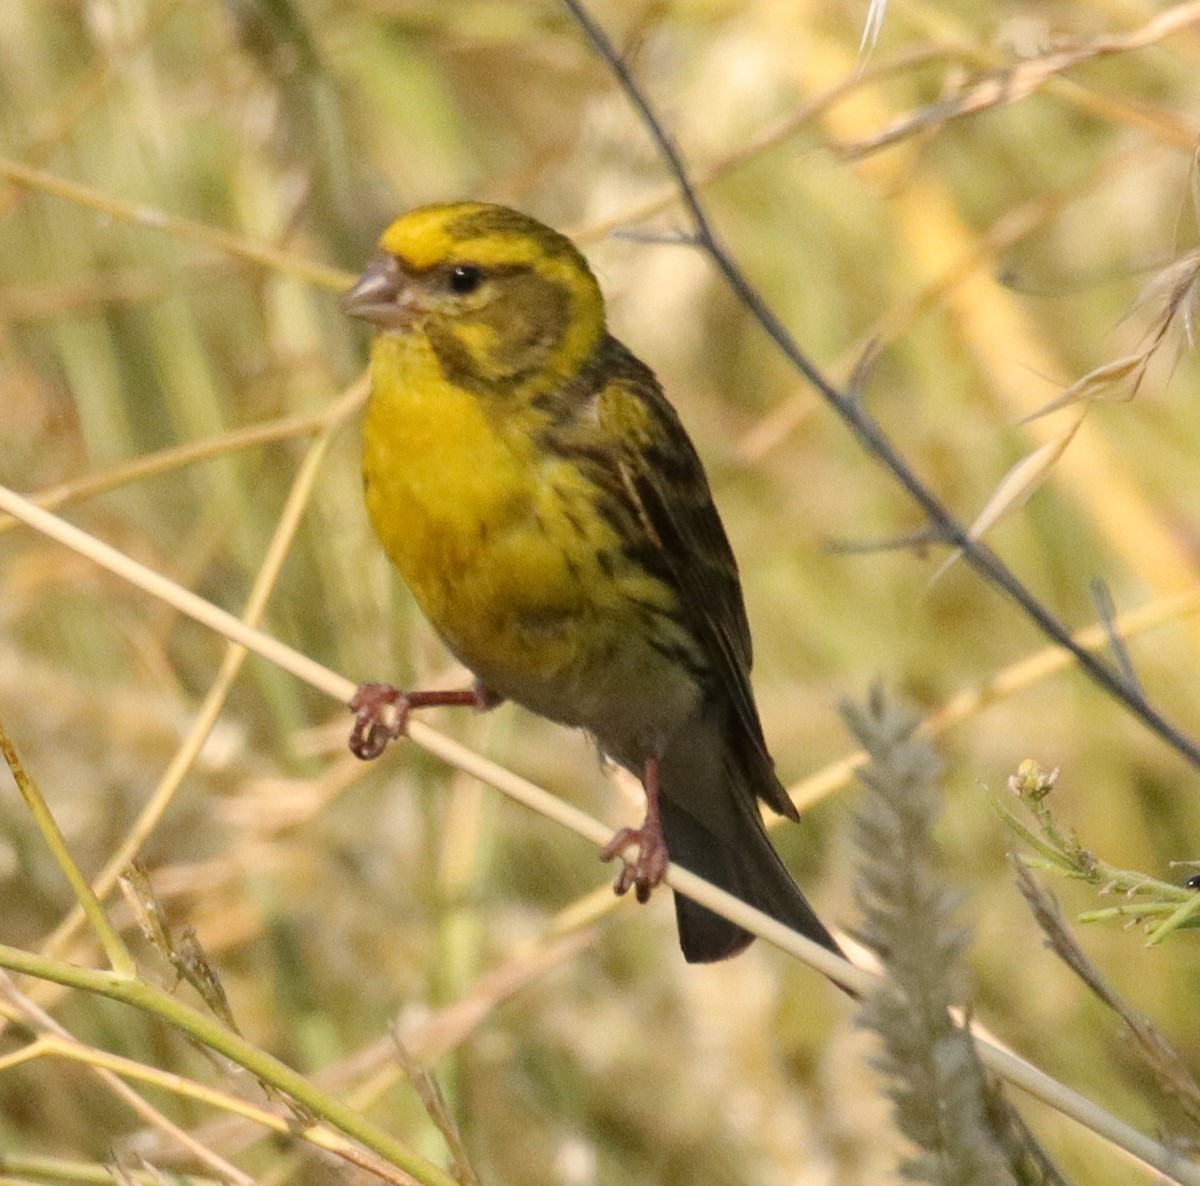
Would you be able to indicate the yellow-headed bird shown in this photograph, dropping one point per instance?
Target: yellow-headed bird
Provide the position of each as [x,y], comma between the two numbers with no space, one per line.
[543,503]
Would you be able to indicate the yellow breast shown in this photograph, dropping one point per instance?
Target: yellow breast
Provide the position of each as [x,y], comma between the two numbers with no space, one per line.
[477,523]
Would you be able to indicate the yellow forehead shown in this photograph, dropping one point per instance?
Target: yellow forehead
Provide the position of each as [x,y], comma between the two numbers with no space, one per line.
[421,236]
[466,231]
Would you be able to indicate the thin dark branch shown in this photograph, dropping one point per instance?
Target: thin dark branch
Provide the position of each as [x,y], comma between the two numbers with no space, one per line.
[869,434]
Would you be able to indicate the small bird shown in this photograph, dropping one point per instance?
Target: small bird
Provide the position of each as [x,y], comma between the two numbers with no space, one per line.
[547,510]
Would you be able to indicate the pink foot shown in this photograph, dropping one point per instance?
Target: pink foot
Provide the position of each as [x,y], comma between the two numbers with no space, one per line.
[381,713]
[650,867]
[645,871]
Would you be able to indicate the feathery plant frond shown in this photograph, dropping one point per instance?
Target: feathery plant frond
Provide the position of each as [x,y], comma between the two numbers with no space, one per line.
[1164,907]
[965,1131]
[1167,1064]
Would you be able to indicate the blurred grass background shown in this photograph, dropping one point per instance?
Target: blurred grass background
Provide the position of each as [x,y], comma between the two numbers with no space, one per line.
[993,259]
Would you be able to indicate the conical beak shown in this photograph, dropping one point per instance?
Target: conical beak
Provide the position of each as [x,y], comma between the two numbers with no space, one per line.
[377,295]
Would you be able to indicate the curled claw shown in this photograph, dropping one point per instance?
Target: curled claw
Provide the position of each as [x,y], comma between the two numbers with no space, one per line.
[647,869]
[380,716]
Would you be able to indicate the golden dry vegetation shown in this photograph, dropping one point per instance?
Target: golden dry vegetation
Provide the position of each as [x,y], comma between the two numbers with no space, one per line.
[995,202]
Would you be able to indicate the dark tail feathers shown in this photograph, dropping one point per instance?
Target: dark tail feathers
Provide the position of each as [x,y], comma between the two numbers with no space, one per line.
[745,865]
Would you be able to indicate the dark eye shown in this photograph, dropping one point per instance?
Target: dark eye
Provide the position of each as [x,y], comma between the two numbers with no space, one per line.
[465,278]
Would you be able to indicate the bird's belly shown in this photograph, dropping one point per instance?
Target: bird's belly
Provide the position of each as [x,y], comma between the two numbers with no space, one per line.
[545,627]
[629,696]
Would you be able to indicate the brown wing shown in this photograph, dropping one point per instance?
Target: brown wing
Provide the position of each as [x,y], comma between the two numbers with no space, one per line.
[665,484]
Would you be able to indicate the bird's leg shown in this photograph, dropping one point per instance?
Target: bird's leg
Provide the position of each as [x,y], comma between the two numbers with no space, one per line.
[381,712]
[650,868]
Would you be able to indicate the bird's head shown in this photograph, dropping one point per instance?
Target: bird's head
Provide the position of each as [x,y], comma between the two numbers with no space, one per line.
[502,299]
